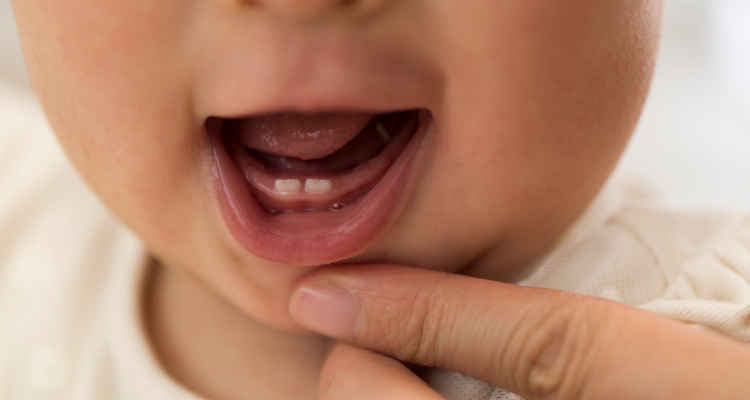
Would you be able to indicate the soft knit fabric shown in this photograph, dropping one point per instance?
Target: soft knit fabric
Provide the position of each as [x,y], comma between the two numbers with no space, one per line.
[71,276]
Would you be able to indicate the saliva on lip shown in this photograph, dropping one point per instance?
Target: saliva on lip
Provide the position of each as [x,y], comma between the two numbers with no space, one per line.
[338,206]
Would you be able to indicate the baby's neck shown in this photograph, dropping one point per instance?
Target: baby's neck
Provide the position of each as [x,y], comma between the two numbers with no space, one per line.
[218,352]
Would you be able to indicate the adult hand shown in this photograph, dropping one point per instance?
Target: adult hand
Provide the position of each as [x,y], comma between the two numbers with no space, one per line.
[538,343]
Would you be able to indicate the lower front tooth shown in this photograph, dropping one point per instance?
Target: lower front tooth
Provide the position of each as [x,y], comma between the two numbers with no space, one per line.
[287,186]
[316,186]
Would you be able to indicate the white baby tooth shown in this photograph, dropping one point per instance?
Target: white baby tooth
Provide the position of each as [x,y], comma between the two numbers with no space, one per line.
[287,186]
[316,186]
[383,132]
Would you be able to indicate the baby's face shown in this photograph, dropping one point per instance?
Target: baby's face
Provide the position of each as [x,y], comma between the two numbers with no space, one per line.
[248,141]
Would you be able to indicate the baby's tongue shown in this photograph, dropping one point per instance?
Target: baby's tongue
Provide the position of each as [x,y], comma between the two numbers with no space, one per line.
[304,136]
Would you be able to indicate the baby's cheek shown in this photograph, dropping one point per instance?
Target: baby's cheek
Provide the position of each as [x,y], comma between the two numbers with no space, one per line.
[112,80]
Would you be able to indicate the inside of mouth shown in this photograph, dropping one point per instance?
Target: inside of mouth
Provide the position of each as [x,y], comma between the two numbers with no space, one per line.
[316,162]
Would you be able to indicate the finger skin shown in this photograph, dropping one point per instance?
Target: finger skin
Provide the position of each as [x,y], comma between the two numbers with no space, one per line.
[351,373]
[539,343]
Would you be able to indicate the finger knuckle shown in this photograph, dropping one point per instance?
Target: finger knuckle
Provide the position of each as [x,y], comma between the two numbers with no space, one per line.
[426,322]
[556,348]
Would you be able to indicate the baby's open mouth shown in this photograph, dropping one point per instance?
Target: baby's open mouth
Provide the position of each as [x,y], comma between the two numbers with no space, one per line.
[312,188]
[317,162]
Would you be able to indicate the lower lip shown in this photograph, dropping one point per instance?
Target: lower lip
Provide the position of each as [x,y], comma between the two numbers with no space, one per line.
[311,238]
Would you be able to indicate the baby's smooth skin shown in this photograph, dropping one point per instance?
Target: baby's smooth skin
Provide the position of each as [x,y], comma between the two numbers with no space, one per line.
[519,110]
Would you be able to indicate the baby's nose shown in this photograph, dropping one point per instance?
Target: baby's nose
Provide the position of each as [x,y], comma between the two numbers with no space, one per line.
[311,9]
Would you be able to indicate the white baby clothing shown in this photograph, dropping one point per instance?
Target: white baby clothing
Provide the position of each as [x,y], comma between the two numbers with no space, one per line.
[689,266]
[71,276]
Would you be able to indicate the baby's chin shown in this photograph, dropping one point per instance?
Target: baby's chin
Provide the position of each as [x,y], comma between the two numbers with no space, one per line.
[268,286]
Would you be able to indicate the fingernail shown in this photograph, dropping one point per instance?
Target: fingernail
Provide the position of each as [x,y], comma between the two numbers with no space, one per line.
[327,309]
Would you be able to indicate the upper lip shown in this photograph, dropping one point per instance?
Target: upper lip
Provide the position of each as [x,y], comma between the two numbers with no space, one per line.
[340,77]
[340,101]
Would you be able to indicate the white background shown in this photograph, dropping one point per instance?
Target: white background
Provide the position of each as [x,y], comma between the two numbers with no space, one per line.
[693,141]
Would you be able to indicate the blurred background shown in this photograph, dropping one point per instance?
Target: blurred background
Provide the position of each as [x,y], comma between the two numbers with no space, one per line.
[693,141]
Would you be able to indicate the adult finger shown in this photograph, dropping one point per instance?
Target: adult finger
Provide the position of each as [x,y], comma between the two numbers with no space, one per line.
[352,373]
[535,342]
